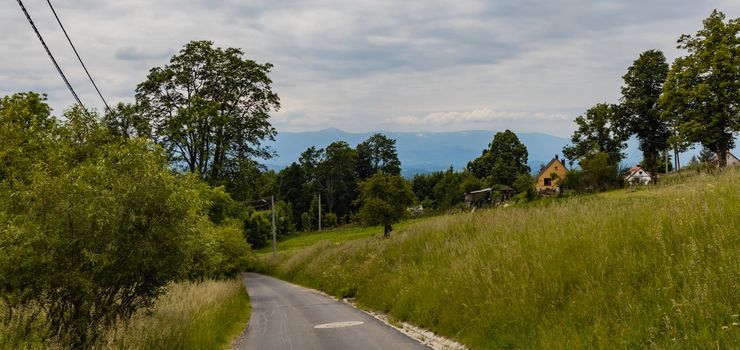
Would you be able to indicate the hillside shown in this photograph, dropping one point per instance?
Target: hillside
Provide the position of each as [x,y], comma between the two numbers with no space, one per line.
[652,268]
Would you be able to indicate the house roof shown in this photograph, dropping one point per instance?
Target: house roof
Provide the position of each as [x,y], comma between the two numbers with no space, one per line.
[634,170]
[506,188]
[480,191]
[548,165]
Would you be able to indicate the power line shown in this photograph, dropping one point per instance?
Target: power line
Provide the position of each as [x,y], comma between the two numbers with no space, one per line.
[78,56]
[48,52]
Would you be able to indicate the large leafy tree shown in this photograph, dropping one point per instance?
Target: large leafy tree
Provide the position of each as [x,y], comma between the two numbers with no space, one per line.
[503,160]
[210,108]
[643,85]
[599,130]
[701,96]
[385,199]
[377,153]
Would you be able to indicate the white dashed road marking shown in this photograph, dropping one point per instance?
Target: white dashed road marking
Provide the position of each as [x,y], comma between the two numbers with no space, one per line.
[339,324]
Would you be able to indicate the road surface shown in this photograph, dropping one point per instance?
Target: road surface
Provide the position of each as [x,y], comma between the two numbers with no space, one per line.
[286,316]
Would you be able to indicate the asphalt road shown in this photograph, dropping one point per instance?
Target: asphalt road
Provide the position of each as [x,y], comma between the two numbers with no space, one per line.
[286,316]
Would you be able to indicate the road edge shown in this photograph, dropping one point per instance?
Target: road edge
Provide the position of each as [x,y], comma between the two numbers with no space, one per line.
[424,336]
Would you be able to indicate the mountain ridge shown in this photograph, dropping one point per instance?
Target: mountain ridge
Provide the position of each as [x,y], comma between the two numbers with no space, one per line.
[419,152]
[428,151]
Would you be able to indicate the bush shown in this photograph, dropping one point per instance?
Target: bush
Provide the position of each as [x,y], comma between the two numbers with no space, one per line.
[112,228]
[258,229]
[306,221]
[217,251]
[94,226]
[330,220]
[284,225]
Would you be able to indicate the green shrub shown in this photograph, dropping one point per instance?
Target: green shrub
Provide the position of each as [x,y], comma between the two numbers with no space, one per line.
[94,226]
[330,220]
[258,229]
[112,229]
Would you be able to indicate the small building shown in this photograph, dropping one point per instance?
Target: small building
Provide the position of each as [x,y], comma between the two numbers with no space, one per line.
[478,198]
[415,211]
[546,182]
[638,175]
[730,161]
[489,196]
[506,192]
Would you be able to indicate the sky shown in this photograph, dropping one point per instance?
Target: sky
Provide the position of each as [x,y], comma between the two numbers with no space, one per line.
[529,66]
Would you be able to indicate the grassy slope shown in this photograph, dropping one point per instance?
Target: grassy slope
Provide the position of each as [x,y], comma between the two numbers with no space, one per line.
[659,267]
[203,315]
[334,235]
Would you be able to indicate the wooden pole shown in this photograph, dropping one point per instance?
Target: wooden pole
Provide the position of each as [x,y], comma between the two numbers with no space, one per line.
[274,230]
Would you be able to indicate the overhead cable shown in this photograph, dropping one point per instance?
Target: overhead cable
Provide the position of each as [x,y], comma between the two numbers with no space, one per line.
[48,52]
[78,56]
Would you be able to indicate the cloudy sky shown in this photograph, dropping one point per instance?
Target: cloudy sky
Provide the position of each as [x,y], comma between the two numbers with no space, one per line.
[366,65]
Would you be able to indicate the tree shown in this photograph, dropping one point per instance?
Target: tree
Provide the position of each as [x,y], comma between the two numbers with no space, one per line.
[292,188]
[599,130]
[210,107]
[309,162]
[423,187]
[598,172]
[127,120]
[337,177]
[503,160]
[377,153]
[384,201]
[247,180]
[450,189]
[701,97]
[26,134]
[643,85]
[525,184]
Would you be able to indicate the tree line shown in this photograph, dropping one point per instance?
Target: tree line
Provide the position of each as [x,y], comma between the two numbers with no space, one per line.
[668,108]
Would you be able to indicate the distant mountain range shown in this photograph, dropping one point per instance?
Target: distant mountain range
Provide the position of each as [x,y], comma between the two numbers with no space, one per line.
[423,152]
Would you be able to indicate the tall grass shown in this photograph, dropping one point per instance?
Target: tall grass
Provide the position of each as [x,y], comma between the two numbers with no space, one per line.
[333,235]
[205,315]
[649,269]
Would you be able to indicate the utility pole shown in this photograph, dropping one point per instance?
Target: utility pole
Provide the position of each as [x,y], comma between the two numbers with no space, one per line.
[319,211]
[274,231]
[666,161]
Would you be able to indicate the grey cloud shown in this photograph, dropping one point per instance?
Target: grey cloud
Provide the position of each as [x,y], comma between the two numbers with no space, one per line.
[358,64]
[133,53]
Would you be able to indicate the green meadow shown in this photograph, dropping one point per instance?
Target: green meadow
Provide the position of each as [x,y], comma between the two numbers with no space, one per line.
[652,268]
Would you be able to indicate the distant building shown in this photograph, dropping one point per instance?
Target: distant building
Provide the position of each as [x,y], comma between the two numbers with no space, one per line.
[638,175]
[478,198]
[489,196]
[545,180]
[731,160]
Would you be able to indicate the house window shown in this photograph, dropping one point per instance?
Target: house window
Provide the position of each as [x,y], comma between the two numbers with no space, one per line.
[548,181]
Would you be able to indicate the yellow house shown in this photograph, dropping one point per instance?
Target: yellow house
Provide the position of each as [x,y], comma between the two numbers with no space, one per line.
[545,180]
